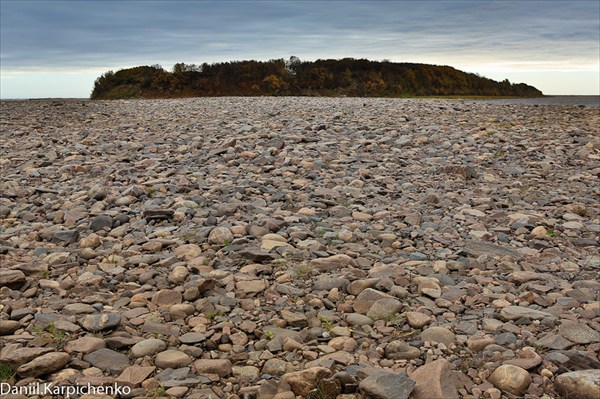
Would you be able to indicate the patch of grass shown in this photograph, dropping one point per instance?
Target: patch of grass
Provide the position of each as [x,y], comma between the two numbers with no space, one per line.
[580,210]
[302,270]
[210,315]
[150,192]
[269,334]
[499,154]
[7,374]
[552,233]
[226,242]
[160,391]
[539,348]
[52,335]
[326,323]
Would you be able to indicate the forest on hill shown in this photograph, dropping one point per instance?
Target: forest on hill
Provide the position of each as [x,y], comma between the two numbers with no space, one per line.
[293,77]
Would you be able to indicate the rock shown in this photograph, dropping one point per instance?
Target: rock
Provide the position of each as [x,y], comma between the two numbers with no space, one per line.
[107,360]
[511,379]
[301,382]
[167,297]
[44,364]
[516,312]
[221,367]
[275,367]
[16,355]
[476,249]
[148,347]
[133,376]
[172,359]
[398,350]
[581,384]
[417,319]
[251,287]
[367,298]
[8,327]
[13,279]
[246,373]
[578,333]
[294,319]
[331,263]
[527,359]
[438,334]
[387,386]
[434,380]
[220,236]
[384,309]
[101,222]
[136,227]
[256,255]
[85,345]
[100,322]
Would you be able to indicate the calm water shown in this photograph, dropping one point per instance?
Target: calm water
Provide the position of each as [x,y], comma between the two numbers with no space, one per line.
[589,101]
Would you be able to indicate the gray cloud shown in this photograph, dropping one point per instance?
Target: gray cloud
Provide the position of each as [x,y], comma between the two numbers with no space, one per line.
[103,34]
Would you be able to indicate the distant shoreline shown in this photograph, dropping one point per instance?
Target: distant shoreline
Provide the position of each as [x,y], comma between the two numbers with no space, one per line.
[581,100]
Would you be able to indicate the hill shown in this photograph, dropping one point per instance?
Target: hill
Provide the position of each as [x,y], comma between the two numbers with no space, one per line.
[345,77]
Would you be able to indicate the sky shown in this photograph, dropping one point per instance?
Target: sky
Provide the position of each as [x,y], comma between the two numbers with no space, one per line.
[58,48]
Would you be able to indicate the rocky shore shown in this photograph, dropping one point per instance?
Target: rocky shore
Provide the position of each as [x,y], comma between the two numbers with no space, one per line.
[300,248]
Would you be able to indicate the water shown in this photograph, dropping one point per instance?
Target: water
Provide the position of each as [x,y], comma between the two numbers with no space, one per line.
[588,101]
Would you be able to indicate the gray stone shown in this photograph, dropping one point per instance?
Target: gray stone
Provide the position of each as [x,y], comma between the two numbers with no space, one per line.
[107,360]
[438,334]
[578,332]
[44,364]
[582,384]
[387,386]
[148,347]
[100,322]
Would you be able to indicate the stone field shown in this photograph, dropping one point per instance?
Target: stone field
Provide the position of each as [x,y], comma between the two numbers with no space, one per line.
[287,248]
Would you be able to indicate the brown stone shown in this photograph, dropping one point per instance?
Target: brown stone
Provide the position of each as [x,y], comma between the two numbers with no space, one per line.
[434,380]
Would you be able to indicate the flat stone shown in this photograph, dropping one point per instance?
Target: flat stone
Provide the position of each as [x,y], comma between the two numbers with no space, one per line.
[366,299]
[148,347]
[8,327]
[133,376]
[330,263]
[172,359]
[167,297]
[301,382]
[250,287]
[400,350]
[384,309]
[478,248]
[294,319]
[578,333]
[554,341]
[434,380]
[581,384]
[221,367]
[387,386]
[85,344]
[107,360]
[100,322]
[45,364]
[12,278]
[516,312]
[438,334]
[17,355]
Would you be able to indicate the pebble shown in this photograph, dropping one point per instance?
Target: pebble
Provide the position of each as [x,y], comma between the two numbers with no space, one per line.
[233,247]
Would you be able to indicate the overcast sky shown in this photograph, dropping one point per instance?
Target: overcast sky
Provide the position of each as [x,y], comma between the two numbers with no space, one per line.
[57,48]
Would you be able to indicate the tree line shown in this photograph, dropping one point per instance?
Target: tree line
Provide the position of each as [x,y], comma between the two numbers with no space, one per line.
[293,77]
